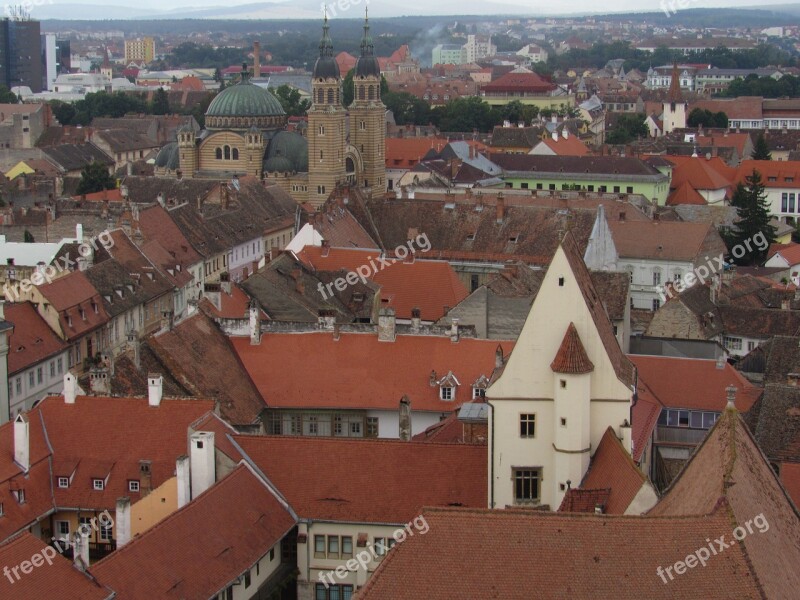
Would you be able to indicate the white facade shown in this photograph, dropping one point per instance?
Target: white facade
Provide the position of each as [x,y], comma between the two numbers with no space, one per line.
[50,66]
[81,83]
[674,116]
[32,384]
[648,276]
[546,425]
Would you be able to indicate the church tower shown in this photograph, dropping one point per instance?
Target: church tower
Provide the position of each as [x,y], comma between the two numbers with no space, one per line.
[675,109]
[326,124]
[368,117]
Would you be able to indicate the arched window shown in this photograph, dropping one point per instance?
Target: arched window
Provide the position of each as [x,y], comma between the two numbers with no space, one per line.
[371,92]
[361,92]
[338,100]
[218,153]
[330,96]
[320,154]
[235,154]
[227,152]
[320,96]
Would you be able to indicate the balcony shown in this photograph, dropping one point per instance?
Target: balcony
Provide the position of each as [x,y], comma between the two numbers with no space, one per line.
[679,435]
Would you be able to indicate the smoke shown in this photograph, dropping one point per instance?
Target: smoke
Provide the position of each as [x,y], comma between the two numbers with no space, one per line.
[423,43]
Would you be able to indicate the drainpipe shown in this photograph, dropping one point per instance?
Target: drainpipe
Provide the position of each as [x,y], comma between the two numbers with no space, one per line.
[491,459]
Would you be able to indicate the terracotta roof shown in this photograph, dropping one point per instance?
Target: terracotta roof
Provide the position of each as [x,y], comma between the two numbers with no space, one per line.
[728,470]
[597,550]
[123,431]
[113,195]
[232,306]
[78,303]
[519,82]
[613,468]
[571,356]
[156,226]
[774,174]
[339,228]
[743,107]
[693,383]
[404,153]
[429,285]
[201,358]
[241,519]
[578,500]
[56,578]
[790,477]
[369,481]
[346,372]
[570,146]
[665,240]
[613,167]
[644,417]
[776,426]
[685,194]
[32,340]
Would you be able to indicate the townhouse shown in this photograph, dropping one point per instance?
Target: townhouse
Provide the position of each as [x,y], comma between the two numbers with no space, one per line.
[781,181]
[124,146]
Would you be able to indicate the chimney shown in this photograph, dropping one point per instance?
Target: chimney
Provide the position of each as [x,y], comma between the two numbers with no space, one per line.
[80,550]
[161,200]
[416,319]
[501,207]
[202,461]
[405,419]
[326,319]
[79,233]
[70,387]
[721,362]
[123,521]
[184,486]
[792,379]
[225,282]
[155,387]
[255,323]
[731,393]
[145,477]
[256,59]
[498,357]
[786,304]
[99,381]
[386,325]
[454,330]
[167,318]
[555,136]
[565,133]
[22,446]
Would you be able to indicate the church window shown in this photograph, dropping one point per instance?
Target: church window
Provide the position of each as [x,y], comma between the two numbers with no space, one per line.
[361,92]
[330,96]
[227,150]
[371,92]
[235,154]
[218,153]
[320,154]
[320,96]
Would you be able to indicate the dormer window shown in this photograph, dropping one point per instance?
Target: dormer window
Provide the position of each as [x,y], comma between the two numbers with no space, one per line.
[83,314]
[133,485]
[446,392]
[19,495]
[98,484]
[63,482]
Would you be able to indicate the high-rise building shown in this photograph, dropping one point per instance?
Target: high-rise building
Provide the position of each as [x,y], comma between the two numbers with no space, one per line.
[140,49]
[21,54]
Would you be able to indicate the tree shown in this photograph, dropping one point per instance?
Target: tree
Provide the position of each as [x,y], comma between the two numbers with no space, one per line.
[407,108]
[703,117]
[760,149]
[94,178]
[749,239]
[27,237]
[7,96]
[627,128]
[293,104]
[63,112]
[160,102]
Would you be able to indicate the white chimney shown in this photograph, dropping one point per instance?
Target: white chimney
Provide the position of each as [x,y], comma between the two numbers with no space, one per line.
[70,387]
[123,521]
[79,232]
[155,386]
[202,461]
[555,136]
[386,325]
[22,442]
[184,486]
[454,330]
[255,323]
[80,550]
[565,133]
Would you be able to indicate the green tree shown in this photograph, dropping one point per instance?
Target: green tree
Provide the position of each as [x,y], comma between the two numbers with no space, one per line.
[407,108]
[63,112]
[27,237]
[628,127]
[292,102]
[706,118]
[94,178]
[160,104]
[7,96]
[752,232]
[760,149]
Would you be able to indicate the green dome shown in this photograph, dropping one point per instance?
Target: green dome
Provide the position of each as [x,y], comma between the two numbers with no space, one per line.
[290,147]
[245,100]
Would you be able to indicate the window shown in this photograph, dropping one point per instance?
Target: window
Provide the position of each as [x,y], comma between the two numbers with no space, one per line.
[732,343]
[105,533]
[616,189]
[526,485]
[347,546]
[227,152]
[478,393]
[629,189]
[656,304]
[560,282]
[656,276]
[372,427]
[235,154]
[272,554]
[18,385]
[784,202]
[133,485]
[355,428]
[98,484]
[247,580]
[52,369]
[333,546]
[446,392]
[30,379]
[383,545]
[527,425]
[333,592]
[63,482]
[62,527]
[39,375]
[319,546]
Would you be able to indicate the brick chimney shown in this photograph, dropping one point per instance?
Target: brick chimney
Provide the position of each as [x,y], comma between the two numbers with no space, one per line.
[256,59]
[501,207]
[386,325]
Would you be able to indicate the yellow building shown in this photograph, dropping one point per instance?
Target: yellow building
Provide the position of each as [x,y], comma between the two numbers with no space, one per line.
[140,49]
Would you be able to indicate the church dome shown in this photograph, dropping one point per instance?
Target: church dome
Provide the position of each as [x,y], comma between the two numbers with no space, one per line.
[326,66]
[168,157]
[245,100]
[367,65]
[287,147]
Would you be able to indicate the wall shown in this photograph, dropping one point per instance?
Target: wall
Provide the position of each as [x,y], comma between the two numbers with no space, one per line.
[52,382]
[157,505]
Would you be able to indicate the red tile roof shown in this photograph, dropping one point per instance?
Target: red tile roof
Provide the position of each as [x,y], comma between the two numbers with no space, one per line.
[790,478]
[665,240]
[404,153]
[107,437]
[238,520]
[519,82]
[613,468]
[685,194]
[69,295]
[156,225]
[702,173]
[32,340]
[369,481]
[578,500]
[571,356]
[644,416]
[55,577]
[576,556]
[429,285]
[113,195]
[570,146]
[693,383]
[786,174]
[347,372]
[232,306]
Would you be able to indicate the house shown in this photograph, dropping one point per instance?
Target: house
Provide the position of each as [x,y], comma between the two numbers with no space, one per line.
[388,484]
[37,359]
[21,125]
[424,373]
[527,87]
[123,145]
[71,159]
[786,257]
[564,145]
[566,382]
[403,154]
[781,185]
[653,252]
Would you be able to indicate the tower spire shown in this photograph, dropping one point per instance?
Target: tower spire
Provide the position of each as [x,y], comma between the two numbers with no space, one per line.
[367,46]
[675,85]
[325,43]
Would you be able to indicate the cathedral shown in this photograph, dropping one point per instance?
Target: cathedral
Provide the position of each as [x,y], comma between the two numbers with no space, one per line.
[245,134]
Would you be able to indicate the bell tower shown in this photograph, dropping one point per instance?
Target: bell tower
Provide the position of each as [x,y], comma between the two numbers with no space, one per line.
[326,124]
[368,117]
[188,151]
